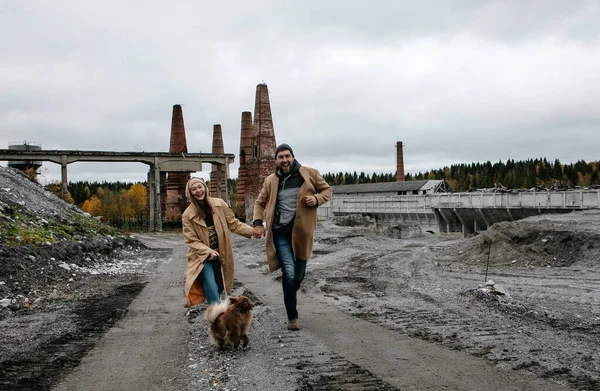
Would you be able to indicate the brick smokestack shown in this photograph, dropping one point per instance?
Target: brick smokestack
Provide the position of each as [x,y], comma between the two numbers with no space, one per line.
[178,142]
[262,162]
[218,186]
[399,162]
[263,123]
[173,183]
[245,155]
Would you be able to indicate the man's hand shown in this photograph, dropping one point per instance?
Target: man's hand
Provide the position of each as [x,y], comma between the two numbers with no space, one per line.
[310,200]
[259,231]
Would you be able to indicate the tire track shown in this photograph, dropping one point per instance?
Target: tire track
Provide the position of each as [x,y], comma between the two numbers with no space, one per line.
[499,327]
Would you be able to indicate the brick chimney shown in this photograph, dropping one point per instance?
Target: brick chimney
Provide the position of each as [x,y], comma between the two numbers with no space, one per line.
[178,143]
[262,162]
[218,185]
[399,162]
[263,124]
[245,155]
[172,191]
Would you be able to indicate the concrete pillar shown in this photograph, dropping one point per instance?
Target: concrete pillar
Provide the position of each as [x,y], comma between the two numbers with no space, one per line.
[157,192]
[65,183]
[510,215]
[487,223]
[466,227]
[227,197]
[151,198]
[443,225]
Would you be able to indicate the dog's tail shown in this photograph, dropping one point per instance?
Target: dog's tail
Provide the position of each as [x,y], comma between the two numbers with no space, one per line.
[213,311]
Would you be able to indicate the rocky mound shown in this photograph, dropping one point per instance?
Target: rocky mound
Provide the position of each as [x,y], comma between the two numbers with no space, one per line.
[546,240]
[46,243]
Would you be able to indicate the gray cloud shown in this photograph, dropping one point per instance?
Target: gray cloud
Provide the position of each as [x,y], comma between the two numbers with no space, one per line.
[461,81]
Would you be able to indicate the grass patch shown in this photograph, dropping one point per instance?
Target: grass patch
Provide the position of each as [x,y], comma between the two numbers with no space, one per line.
[19,230]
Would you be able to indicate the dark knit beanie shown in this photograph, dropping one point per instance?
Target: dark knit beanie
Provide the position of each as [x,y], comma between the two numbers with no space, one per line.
[284,147]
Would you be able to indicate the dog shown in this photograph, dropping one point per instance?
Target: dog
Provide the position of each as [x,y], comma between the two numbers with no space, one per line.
[230,321]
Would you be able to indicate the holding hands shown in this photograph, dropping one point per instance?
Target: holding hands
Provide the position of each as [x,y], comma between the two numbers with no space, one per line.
[259,231]
[309,200]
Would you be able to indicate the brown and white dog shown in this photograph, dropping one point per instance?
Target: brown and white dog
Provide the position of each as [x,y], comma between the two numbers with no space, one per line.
[230,321]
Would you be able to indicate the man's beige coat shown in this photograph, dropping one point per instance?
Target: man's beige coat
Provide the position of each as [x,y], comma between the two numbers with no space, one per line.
[305,223]
[195,233]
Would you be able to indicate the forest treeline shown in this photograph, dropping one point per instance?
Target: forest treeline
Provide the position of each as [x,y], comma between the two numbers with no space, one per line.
[124,204]
[121,204]
[511,174]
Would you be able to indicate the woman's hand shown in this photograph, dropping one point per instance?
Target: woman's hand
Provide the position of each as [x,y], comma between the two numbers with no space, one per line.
[259,231]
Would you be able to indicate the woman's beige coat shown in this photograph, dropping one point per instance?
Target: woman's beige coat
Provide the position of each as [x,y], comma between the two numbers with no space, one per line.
[195,233]
[305,222]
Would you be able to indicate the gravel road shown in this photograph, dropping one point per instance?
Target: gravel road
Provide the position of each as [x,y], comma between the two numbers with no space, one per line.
[378,313]
[385,313]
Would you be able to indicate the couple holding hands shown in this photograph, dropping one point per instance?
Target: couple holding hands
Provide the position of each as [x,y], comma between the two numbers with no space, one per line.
[287,203]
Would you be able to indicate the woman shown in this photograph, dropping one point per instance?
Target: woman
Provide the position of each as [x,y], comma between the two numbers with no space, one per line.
[206,225]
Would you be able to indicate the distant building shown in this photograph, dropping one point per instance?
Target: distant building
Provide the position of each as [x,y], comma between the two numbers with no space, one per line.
[400,187]
[428,186]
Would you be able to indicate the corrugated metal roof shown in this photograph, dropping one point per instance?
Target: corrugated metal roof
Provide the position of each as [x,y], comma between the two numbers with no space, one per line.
[386,187]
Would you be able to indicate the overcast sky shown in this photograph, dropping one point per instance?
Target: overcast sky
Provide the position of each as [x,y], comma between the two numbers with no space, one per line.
[455,81]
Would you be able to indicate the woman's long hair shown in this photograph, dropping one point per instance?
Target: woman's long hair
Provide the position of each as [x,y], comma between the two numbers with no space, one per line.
[205,206]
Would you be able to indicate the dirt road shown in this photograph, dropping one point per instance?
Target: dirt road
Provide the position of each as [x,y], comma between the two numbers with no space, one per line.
[378,313]
[146,349]
[89,308]
[367,325]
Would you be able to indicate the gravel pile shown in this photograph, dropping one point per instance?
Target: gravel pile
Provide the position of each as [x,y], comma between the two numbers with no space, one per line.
[47,245]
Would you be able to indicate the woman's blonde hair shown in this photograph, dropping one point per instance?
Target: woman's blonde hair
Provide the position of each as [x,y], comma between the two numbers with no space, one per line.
[201,206]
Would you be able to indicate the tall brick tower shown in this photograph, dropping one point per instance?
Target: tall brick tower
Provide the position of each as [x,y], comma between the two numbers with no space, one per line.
[218,186]
[173,183]
[399,162]
[244,156]
[262,162]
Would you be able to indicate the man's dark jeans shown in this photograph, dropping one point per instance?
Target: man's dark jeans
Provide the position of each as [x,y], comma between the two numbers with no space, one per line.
[292,272]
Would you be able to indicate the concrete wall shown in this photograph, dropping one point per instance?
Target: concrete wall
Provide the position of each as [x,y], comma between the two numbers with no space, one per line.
[459,212]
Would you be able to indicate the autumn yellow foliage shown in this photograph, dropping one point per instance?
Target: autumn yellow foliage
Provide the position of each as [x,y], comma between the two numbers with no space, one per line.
[112,205]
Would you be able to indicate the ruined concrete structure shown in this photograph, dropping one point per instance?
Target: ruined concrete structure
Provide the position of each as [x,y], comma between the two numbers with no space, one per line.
[399,162]
[28,164]
[257,161]
[257,152]
[217,186]
[172,184]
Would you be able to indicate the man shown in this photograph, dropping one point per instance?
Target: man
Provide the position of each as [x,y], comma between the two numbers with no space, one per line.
[288,203]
